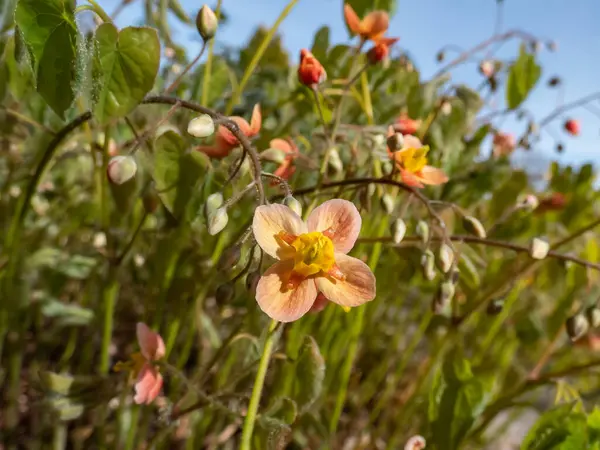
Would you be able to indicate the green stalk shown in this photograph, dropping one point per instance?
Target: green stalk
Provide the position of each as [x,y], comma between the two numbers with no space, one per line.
[257,57]
[101,13]
[109,299]
[259,382]
[208,64]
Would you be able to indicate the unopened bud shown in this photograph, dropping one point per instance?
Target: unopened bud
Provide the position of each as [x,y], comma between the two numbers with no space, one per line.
[415,443]
[217,221]
[334,160]
[445,257]
[202,126]
[395,142]
[213,202]
[371,190]
[440,56]
[554,81]
[529,202]
[446,108]
[293,204]
[443,296]
[207,23]
[387,202]
[487,68]
[422,230]
[539,248]
[593,316]
[495,307]
[121,169]
[252,280]
[577,326]
[230,258]
[225,293]
[428,265]
[474,227]
[273,154]
[398,230]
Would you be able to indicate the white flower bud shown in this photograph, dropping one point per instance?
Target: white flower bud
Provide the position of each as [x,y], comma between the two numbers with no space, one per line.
[217,221]
[121,169]
[474,226]
[206,22]
[293,204]
[398,230]
[202,126]
[334,160]
[446,257]
[415,443]
[422,230]
[577,326]
[539,248]
[387,202]
[428,265]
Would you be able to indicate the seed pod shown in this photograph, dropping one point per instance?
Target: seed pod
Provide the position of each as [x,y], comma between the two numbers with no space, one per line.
[121,169]
[445,257]
[206,22]
[252,280]
[577,326]
[334,160]
[495,307]
[539,248]
[444,295]
[202,126]
[293,204]
[529,202]
[398,230]
[217,221]
[230,257]
[395,142]
[387,202]
[473,226]
[422,230]
[225,293]
[593,316]
[428,265]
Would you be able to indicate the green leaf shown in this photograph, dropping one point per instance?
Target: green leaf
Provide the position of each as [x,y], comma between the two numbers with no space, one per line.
[271,434]
[551,429]
[321,43]
[177,173]
[72,266]
[310,373]
[65,314]
[19,75]
[49,30]
[284,409]
[522,77]
[128,62]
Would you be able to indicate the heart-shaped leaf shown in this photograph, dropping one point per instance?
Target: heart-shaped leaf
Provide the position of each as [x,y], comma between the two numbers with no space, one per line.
[310,373]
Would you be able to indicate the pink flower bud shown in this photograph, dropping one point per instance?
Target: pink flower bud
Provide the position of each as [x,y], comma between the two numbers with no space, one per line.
[121,169]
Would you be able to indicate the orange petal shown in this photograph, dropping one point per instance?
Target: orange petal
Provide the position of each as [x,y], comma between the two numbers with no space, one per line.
[152,345]
[319,304]
[340,219]
[432,175]
[410,179]
[281,144]
[352,19]
[217,151]
[375,24]
[356,289]
[387,41]
[255,121]
[148,385]
[280,304]
[270,220]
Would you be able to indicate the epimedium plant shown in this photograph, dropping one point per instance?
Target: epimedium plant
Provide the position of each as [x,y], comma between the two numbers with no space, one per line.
[324,253]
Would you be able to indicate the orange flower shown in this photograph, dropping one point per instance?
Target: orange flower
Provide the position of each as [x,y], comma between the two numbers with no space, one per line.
[504,144]
[225,141]
[286,169]
[406,125]
[373,26]
[381,50]
[411,160]
[312,258]
[310,71]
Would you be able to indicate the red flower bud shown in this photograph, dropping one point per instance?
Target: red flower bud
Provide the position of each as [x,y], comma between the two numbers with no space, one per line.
[310,71]
[378,53]
[552,202]
[572,127]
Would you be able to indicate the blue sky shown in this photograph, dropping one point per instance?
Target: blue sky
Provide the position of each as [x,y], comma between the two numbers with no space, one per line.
[425,26]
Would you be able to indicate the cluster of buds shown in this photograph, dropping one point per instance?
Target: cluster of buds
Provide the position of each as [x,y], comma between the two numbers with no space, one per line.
[579,324]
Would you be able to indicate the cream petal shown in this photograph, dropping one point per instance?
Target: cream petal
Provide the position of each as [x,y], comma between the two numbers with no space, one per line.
[284,306]
[411,141]
[272,219]
[152,345]
[432,175]
[340,217]
[255,121]
[352,19]
[356,289]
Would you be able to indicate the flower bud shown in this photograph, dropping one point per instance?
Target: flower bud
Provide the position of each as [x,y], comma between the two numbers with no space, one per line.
[593,316]
[387,203]
[495,307]
[428,265]
[293,204]
[445,257]
[378,53]
[395,142]
[225,293]
[334,160]
[474,227]
[371,188]
[230,257]
[422,231]
[539,248]
[207,23]
[572,127]
[577,326]
[217,221]
[446,108]
[310,71]
[443,296]
[252,280]
[398,230]
[487,68]
[202,126]
[213,202]
[529,202]
[415,443]
[273,154]
[121,169]
[552,46]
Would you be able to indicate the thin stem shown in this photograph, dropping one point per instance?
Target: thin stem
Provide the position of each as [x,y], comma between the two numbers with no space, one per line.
[25,119]
[568,106]
[284,184]
[109,299]
[259,382]
[101,13]
[236,198]
[186,70]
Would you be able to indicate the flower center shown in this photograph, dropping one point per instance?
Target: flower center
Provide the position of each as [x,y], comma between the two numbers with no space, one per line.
[413,159]
[133,366]
[312,253]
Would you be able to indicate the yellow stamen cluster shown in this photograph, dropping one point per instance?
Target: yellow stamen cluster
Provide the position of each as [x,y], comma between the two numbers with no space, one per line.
[412,159]
[312,253]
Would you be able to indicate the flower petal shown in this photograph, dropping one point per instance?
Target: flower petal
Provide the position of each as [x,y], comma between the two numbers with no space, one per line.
[319,304]
[152,345]
[352,19]
[341,218]
[284,306]
[148,385]
[375,24]
[229,137]
[410,179]
[281,144]
[411,141]
[432,175]
[356,289]
[272,219]
[255,121]
[219,150]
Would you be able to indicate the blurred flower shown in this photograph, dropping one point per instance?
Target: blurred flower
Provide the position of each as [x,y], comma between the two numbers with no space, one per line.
[504,144]
[380,50]
[572,126]
[406,125]
[411,160]
[201,126]
[310,71]
[487,68]
[286,169]
[149,381]
[170,53]
[225,141]
[415,443]
[373,26]
[121,169]
[553,202]
[312,258]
